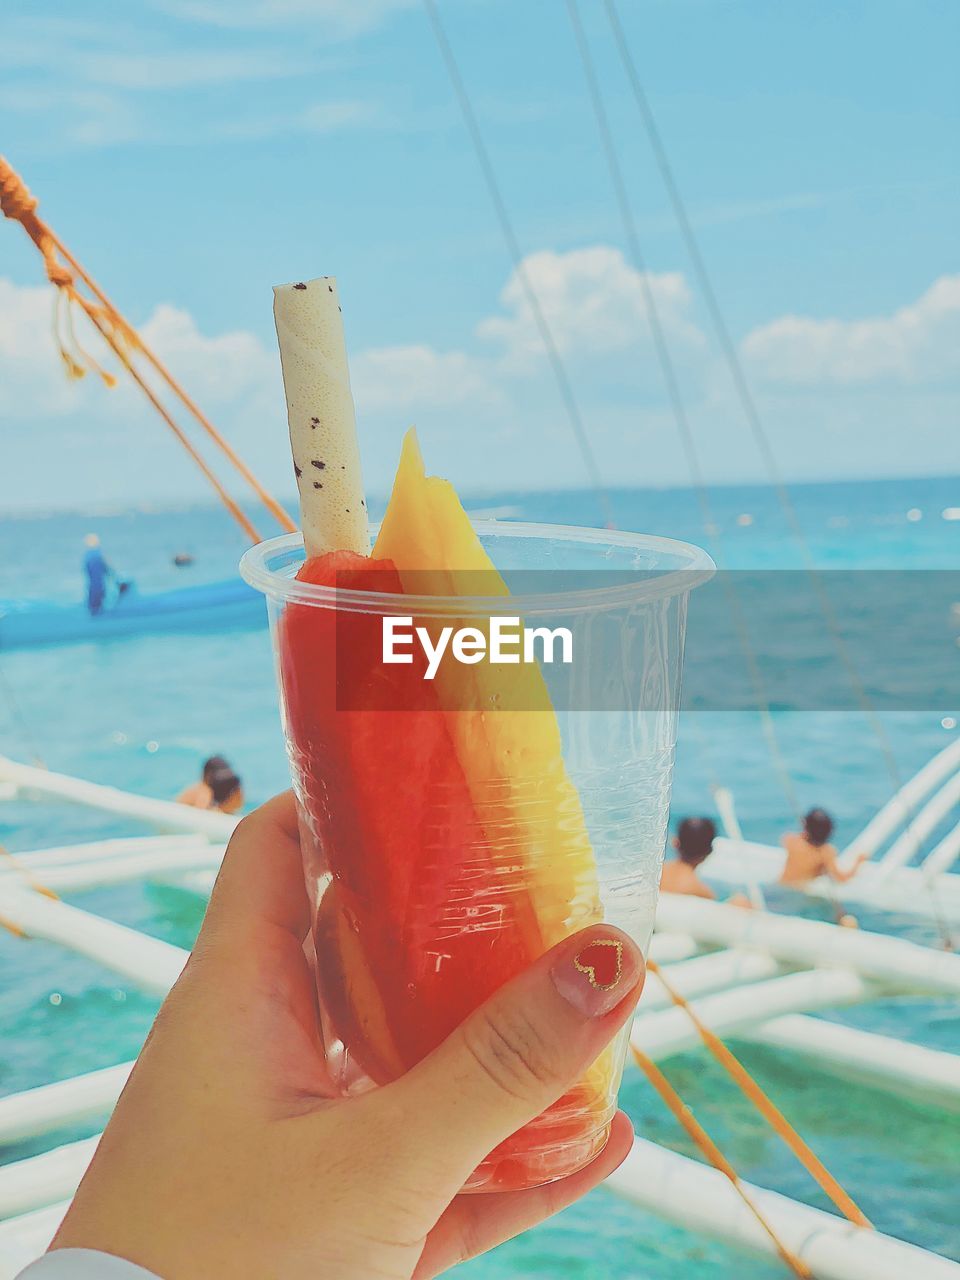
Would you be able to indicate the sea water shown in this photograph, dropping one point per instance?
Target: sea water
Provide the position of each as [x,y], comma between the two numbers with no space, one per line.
[143,712]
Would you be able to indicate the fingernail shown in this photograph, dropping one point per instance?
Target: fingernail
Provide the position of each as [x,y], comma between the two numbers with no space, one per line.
[595,975]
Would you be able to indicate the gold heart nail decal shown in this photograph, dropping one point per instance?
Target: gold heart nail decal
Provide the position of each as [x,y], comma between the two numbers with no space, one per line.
[601,962]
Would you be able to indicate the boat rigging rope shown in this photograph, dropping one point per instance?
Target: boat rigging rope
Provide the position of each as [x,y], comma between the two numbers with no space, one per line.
[18,204]
[274,507]
[681,418]
[755,423]
[715,1156]
[122,355]
[766,1107]
[731,1064]
[560,374]
[666,1091]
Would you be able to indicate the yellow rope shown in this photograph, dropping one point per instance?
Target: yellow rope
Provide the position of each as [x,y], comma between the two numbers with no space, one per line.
[137,341]
[17,203]
[712,1152]
[36,885]
[113,341]
[767,1108]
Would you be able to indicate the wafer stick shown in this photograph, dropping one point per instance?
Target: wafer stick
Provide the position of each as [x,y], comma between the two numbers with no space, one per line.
[323,428]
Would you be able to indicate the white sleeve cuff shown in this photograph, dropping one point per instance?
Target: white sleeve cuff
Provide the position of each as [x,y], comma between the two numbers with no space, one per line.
[83,1264]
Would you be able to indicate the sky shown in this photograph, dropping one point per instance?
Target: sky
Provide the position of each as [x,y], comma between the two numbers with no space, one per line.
[192,153]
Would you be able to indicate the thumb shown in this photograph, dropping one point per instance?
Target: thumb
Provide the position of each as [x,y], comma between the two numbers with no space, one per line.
[524,1048]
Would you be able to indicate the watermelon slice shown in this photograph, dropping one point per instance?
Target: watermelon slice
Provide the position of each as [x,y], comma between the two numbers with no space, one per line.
[414,920]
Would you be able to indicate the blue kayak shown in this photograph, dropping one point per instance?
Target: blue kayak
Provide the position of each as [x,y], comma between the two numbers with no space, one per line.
[214,606]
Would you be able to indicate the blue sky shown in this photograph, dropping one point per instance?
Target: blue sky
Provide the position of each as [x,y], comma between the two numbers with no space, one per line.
[194,152]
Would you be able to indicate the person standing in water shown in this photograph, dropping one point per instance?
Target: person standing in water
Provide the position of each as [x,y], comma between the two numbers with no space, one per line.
[809,853]
[97,571]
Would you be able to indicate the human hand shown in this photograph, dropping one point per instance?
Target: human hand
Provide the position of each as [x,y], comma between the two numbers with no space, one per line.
[228,1156]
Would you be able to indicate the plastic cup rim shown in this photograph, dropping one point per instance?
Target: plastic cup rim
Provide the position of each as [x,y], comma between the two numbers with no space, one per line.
[279,587]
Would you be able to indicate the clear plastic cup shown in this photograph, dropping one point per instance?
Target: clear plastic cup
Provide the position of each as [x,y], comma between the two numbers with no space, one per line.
[447,843]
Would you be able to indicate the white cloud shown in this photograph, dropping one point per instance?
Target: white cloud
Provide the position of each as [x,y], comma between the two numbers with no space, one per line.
[319,118]
[180,68]
[495,398]
[230,370]
[223,369]
[94,118]
[919,343]
[593,302]
[94,85]
[30,370]
[335,18]
[715,215]
[76,116]
[109,56]
[74,443]
[412,378]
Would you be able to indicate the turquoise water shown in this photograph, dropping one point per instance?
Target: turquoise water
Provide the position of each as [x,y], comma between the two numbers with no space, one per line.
[142,713]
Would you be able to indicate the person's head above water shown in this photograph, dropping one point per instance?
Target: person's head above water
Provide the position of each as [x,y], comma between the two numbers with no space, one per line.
[227,790]
[694,840]
[91,540]
[215,764]
[818,827]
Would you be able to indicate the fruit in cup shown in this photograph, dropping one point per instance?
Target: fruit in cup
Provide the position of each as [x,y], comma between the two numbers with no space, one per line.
[450,844]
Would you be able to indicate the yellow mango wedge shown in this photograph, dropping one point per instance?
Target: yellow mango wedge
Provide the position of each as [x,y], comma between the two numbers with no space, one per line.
[512,759]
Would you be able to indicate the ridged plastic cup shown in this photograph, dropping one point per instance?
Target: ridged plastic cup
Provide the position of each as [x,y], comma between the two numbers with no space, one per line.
[624,597]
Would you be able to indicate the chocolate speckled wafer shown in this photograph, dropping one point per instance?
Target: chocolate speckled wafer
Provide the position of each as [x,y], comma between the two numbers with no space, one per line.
[323,428]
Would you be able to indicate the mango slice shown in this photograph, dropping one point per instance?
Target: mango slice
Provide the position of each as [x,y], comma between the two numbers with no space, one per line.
[512,760]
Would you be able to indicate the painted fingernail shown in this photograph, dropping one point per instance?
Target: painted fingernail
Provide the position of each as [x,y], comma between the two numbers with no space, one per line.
[596,975]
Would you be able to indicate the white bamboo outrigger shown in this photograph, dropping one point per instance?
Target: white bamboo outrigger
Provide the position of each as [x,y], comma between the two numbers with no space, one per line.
[758,976]
[898,878]
[163,815]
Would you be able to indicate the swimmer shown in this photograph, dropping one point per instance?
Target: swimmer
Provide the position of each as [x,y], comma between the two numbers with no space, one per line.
[809,853]
[694,844]
[200,795]
[226,791]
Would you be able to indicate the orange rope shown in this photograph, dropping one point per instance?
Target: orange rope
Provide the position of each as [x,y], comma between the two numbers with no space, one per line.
[712,1152]
[17,203]
[111,339]
[768,1109]
[36,885]
[263,494]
